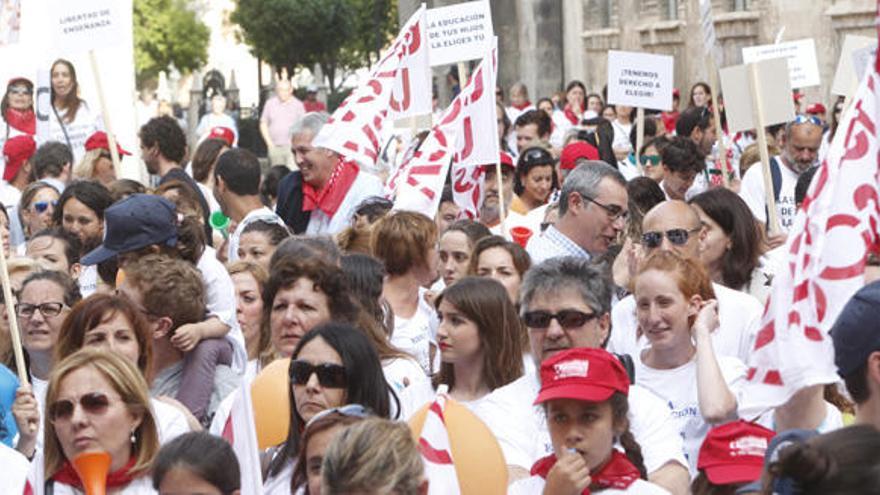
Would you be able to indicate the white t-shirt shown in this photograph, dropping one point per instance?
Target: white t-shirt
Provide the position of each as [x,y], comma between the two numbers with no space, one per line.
[621,135]
[678,387]
[15,470]
[84,125]
[403,374]
[414,335]
[739,316]
[264,214]
[213,205]
[752,192]
[171,422]
[521,428]
[220,295]
[280,485]
[364,186]
[535,485]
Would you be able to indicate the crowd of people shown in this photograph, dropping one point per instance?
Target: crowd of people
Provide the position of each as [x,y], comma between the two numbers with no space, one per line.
[596,315]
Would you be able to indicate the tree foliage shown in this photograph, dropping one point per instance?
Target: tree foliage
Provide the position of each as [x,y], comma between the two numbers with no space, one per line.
[167,32]
[338,35]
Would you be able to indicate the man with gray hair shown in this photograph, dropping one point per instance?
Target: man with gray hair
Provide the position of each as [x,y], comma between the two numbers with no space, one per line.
[592,212]
[566,303]
[321,197]
[279,113]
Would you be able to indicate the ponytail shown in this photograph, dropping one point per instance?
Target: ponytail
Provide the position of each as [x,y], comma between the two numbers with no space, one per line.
[620,408]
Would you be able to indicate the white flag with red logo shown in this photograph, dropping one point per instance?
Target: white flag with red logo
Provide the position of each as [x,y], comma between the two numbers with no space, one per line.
[419,180]
[36,479]
[240,431]
[827,249]
[436,451]
[398,86]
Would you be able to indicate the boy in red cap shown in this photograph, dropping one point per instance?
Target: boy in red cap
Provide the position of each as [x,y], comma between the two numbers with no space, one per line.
[584,394]
[731,456]
[17,152]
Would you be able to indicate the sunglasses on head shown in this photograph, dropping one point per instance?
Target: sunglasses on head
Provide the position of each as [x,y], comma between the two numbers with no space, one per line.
[329,375]
[94,403]
[537,156]
[812,119]
[567,318]
[20,90]
[678,237]
[350,410]
[41,206]
[653,160]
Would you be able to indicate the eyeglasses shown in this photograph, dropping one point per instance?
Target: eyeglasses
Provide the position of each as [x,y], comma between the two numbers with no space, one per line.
[654,160]
[350,410]
[41,206]
[329,375]
[568,319]
[48,310]
[614,212]
[94,403]
[19,90]
[812,119]
[678,237]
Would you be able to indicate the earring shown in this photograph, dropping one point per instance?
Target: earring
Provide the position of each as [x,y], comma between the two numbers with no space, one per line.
[133,438]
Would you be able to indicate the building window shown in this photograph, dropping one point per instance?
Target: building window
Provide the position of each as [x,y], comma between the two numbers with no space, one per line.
[605,13]
[672,9]
[739,5]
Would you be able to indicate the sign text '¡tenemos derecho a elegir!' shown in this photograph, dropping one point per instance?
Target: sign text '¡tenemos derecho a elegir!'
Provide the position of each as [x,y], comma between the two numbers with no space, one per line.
[85,21]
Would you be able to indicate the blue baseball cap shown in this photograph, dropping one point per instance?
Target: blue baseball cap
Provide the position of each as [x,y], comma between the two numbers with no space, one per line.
[777,444]
[136,222]
[856,333]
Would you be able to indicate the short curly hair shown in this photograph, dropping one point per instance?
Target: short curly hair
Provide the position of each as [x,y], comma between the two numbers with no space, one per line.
[168,287]
[166,132]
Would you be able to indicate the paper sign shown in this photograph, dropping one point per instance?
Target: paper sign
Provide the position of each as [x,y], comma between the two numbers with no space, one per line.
[640,80]
[459,32]
[708,25]
[846,79]
[87,24]
[801,55]
[774,90]
[862,59]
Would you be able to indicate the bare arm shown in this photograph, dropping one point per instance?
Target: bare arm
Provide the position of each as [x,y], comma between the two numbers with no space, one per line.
[717,403]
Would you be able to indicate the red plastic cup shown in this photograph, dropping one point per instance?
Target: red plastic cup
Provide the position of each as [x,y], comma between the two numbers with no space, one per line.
[521,235]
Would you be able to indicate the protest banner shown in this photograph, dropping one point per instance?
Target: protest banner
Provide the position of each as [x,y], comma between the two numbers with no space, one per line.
[459,32]
[757,95]
[801,56]
[846,79]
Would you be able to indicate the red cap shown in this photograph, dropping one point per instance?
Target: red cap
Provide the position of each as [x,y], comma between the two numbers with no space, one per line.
[20,79]
[591,375]
[797,95]
[816,108]
[734,452]
[98,141]
[505,159]
[16,151]
[575,150]
[676,93]
[223,133]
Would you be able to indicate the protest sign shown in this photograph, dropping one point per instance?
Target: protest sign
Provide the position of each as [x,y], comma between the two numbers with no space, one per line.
[862,60]
[775,94]
[459,32]
[640,80]
[846,79]
[87,24]
[801,55]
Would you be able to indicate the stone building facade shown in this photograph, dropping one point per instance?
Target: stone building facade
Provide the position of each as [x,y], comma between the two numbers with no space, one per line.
[546,43]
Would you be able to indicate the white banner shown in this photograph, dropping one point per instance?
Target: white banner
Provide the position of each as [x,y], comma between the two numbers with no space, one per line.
[640,80]
[421,181]
[801,55]
[83,25]
[460,32]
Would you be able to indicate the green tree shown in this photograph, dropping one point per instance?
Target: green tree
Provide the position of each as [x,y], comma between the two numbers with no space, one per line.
[167,32]
[339,35]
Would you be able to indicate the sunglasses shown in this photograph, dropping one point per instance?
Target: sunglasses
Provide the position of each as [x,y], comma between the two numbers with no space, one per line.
[94,403]
[351,410]
[654,160]
[329,375]
[568,319]
[812,119]
[41,206]
[19,90]
[48,310]
[536,156]
[678,237]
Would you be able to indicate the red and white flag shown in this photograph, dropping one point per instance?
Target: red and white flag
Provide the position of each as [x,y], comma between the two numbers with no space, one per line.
[418,182]
[240,431]
[398,86]
[827,249]
[436,451]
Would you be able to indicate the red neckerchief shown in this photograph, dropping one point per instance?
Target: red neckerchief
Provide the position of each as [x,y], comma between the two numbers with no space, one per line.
[619,472]
[521,106]
[23,120]
[569,114]
[68,476]
[331,195]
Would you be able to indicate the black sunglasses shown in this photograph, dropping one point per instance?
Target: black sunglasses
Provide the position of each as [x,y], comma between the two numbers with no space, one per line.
[678,237]
[567,318]
[329,375]
[92,403]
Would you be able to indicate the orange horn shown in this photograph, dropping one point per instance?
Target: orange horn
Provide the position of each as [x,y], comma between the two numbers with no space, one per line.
[92,468]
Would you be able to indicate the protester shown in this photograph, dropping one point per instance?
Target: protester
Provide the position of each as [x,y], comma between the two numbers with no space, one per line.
[506,139]
[682,163]
[532,128]
[16,468]
[455,247]
[16,154]
[535,179]
[269,184]
[99,401]
[259,240]
[700,95]
[480,337]
[357,462]
[317,437]
[447,211]
[584,396]
[332,365]
[573,111]
[36,208]
[123,188]
[364,275]
[71,121]
[56,249]
[592,212]
[573,154]
[280,112]
[17,117]
[250,281]
[217,117]
[311,103]
[623,123]
[669,118]
[202,165]
[320,197]
[497,258]
[492,209]
[52,164]
[97,164]
[519,101]
[197,463]
[732,455]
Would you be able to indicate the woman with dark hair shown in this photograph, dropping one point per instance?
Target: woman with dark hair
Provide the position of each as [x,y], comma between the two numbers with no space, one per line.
[269,185]
[317,436]
[259,239]
[71,121]
[197,462]
[17,116]
[202,164]
[700,95]
[455,247]
[505,261]
[571,114]
[731,247]
[332,365]
[603,138]
[80,211]
[535,179]
[481,339]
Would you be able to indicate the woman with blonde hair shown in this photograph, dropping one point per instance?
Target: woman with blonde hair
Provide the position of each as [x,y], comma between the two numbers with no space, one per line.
[98,401]
[250,280]
[97,163]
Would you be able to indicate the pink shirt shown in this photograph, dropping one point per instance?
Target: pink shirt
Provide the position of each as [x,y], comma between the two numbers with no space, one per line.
[280,116]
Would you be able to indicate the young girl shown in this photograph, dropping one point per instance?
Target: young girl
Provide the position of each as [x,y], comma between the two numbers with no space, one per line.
[731,457]
[197,463]
[584,394]
[677,312]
